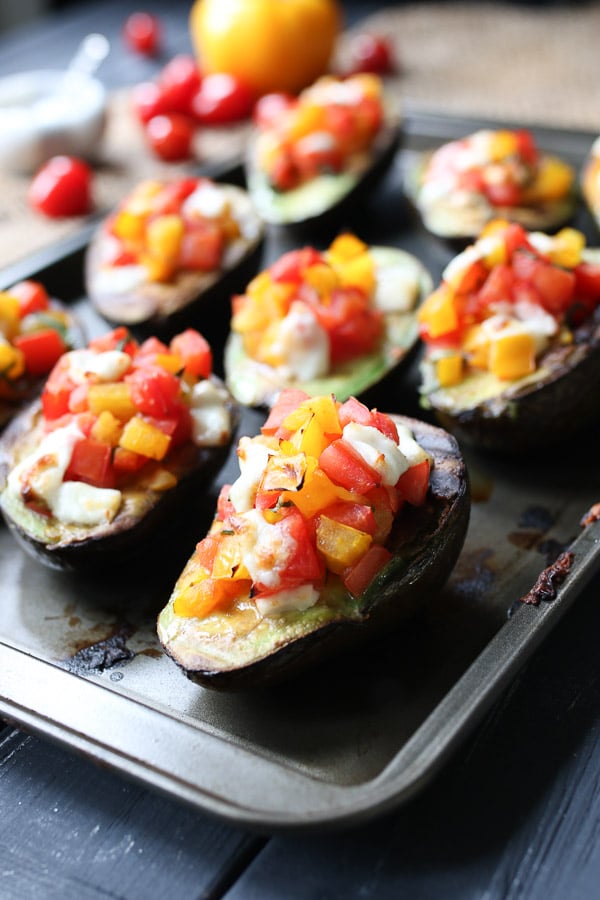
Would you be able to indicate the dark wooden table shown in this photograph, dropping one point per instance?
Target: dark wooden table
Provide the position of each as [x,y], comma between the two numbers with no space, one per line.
[516,813]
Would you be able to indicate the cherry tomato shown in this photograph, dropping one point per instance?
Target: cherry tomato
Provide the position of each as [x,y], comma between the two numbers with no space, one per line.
[62,187]
[148,100]
[371,53]
[170,136]
[222,98]
[142,33]
[269,107]
[178,83]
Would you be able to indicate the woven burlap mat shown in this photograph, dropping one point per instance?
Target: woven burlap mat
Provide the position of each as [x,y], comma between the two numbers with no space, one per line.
[533,65]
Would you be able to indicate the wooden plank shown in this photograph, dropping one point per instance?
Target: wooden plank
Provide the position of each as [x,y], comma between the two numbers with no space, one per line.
[515,815]
[71,831]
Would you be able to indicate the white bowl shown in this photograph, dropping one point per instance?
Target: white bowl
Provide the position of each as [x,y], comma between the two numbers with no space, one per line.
[47,112]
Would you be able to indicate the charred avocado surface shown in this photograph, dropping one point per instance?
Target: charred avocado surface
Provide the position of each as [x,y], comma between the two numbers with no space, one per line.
[401,282]
[239,648]
[165,298]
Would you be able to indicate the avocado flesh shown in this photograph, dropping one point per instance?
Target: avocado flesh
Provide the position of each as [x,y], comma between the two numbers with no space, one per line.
[239,649]
[255,384]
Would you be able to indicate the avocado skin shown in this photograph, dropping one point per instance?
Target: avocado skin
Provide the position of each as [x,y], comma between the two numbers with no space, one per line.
[137,532]
[545,412]
[426,543]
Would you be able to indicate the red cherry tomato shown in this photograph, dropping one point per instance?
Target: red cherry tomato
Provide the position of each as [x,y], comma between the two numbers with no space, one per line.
[269,107]
[222,98]
[371,53]
[142,33]
[170,136]
[148,101]
[62,187]
[178,83]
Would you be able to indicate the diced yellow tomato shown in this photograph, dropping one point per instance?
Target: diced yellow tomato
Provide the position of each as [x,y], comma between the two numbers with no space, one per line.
[199,599]
[318,492]
[449,369]
[144,438]
[438,313]
[262,304]
[9,314]
[172,362]
[554,179]
[12,362]
[345,247]
[107,428]
[129,227]
[512,356]
[341,545]
[228,561]
[477,347]
[358,272]
[112,396]
[322,278]
[503,143]
[163,243]
[567,246]
[304,119]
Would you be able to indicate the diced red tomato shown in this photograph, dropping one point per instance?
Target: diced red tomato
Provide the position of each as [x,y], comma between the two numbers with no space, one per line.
[194,351]
[127,462]
[414,483]
[354,328]
[154,391]
[117,339]
[55,402]
[352,410]
[91,462]
[504,193]
[303,564]
[473,278]
[515,236]
[225,507]
[587,280]
[385,424]
[202,248]
[288,400]
[355,515]
[526,146]
[78,401]
[313,156]
[555,286]
[172,195]
[290,266]
[41,349]
[32,297]
[148,350]
[345,467]
[497,287]
[358,577]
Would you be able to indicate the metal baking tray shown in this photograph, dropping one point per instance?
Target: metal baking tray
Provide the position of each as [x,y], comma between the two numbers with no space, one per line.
[80,662]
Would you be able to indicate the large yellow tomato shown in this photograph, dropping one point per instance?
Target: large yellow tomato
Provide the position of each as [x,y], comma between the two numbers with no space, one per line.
[271,45]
